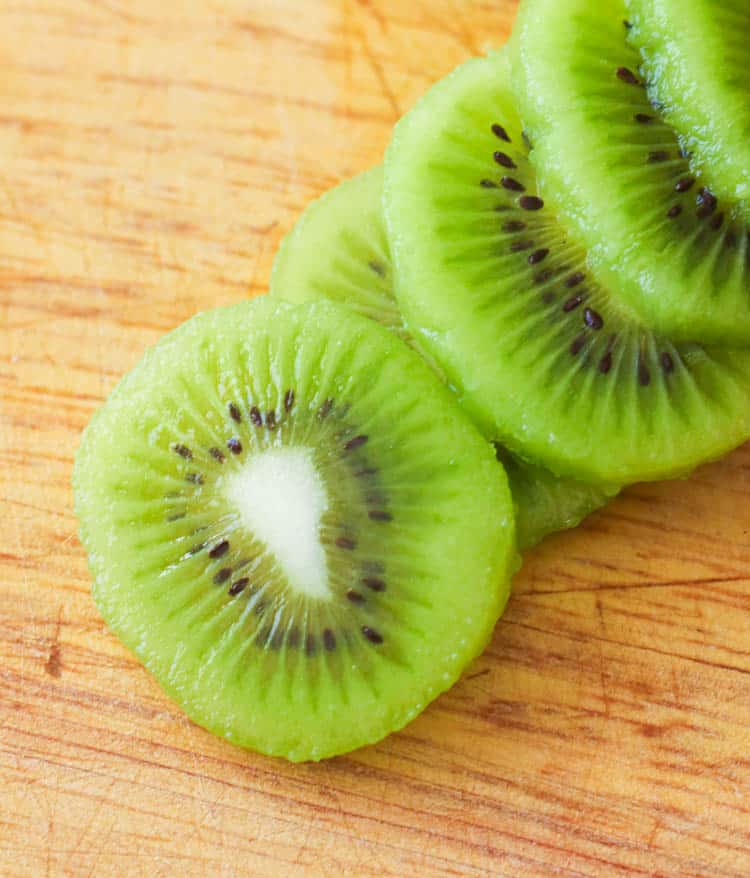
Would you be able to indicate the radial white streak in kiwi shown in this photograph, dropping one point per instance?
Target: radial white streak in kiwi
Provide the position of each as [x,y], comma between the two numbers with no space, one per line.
[281,499]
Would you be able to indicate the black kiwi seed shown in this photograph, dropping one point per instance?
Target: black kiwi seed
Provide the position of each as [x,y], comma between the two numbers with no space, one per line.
[222,575]
[219,549]
[643,118]
[195,478]
[271,419]
[592,319]
[371,634]
[500,132]
[183,451]
[717,222]
[288,400]
[572,304]
[627,24]
[667,363]
[346,543]
[355,597]
[377,268]
[644,376]
[577,345]
[292,639]
[531,202]
[548,298]
[177,516]
[311,646]
[238,586]
[512,184]
[373,583]
[514,226]
[706,202]
[502,158]
[357,442]
[234,445]
[605,364]
[521,246]
[674,211]
[538,256]
[234,413]
[217,454]
[488,184]
[379,515]
[325,409]
[575,280]
[256,417]
[658,155]
[329,640]
[366,472]
[627,75]
[684,184]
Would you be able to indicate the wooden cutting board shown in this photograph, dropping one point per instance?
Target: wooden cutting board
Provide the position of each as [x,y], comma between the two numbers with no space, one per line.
[153,155]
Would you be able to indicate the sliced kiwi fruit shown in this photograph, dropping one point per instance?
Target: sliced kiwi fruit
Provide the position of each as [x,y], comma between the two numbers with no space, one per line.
[294,527]
[545,358]
[696,64]
[339,250]
[658,234]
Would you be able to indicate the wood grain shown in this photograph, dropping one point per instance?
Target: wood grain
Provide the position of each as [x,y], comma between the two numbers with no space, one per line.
[153,156]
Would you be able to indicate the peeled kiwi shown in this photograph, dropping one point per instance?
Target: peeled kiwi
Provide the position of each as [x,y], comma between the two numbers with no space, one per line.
[542,354]
[661,231]
[339,250]
[697,66]
[293,526]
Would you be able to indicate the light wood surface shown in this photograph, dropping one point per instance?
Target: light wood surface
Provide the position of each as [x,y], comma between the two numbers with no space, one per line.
[153,155]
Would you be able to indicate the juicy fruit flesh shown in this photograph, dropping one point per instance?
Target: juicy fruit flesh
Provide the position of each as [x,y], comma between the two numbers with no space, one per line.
[338,250]
[656,230]
[541,353]
[404,498]
[697,68]
[281,499]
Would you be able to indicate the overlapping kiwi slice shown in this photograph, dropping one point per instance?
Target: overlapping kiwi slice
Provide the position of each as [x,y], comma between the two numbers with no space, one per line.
[695,61]
[658,232]
[339,250]
[293,525]
[542,353]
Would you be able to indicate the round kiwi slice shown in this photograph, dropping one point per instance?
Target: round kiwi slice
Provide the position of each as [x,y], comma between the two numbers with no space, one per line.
[542,356]
[697,66]
[293,526]
[657,231]
[339,250]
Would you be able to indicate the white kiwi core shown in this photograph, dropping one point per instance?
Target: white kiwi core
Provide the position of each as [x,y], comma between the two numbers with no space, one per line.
[281,499]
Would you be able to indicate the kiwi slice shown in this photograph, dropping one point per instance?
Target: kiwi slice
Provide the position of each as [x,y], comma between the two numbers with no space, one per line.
[339,250]
[657,232]
[541,354]
[697,65]
[293,526]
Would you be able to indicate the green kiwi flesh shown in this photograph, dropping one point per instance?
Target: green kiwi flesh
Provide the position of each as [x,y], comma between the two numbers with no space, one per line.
[541,354]
[697,65]
[293,526]
[338,250]
[657,233]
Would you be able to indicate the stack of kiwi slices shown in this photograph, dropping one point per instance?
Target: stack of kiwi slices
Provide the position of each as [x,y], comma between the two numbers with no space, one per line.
[302,513]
